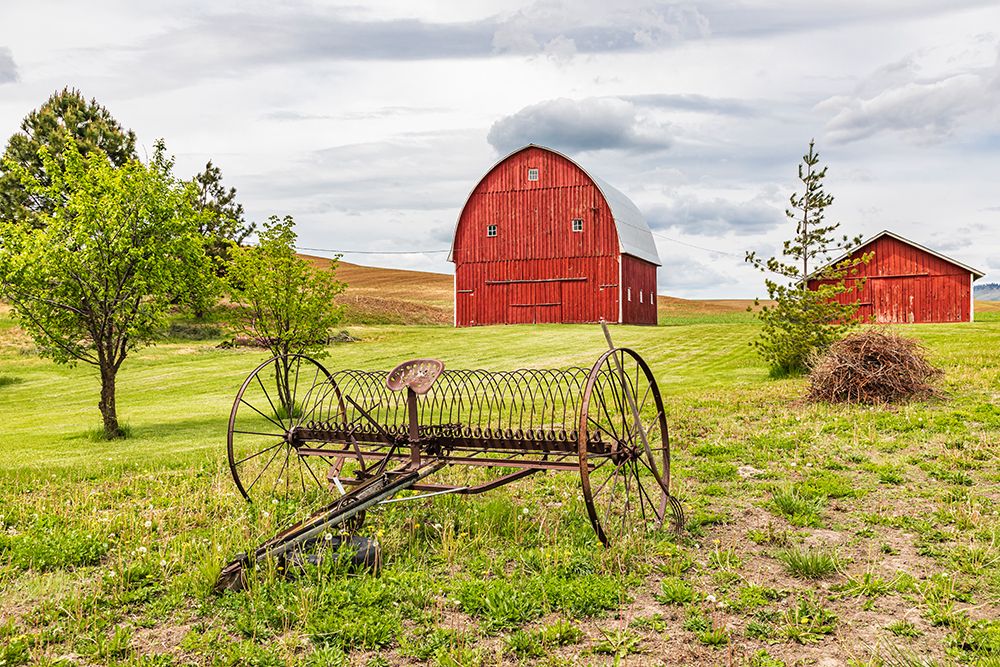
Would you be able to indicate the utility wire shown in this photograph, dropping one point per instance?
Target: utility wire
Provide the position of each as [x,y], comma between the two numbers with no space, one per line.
[426,252]
[373,252]
[691,245]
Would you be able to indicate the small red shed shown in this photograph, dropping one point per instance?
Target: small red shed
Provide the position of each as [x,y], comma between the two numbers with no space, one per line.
[542,240]
[908,283]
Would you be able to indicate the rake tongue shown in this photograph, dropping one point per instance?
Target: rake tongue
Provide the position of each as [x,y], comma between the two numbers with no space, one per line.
[233,576]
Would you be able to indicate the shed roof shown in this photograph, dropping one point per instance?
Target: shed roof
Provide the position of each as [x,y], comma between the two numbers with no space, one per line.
[976,274]
[634,236]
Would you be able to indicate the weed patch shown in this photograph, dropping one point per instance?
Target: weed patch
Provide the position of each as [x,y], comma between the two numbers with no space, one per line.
[808,563]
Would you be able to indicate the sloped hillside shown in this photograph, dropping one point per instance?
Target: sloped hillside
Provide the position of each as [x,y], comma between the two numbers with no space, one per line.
[392,296]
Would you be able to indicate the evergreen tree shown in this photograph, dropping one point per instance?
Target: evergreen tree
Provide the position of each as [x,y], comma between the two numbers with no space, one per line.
[223,223]
[66,117]
[803,322]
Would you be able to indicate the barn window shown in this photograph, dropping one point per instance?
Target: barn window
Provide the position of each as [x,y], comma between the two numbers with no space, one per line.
[491,230]
[640,296]
[577,225]
[629,293]
[532,174]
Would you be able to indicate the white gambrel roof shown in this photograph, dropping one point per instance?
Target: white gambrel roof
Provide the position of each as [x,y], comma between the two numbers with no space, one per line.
[976,274]
[634,237]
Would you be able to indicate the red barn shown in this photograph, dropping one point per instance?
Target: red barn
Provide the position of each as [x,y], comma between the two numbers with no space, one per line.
[906,282]
[542,240]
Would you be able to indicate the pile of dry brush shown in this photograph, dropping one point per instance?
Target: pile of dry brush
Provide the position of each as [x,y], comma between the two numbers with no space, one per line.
[872,367]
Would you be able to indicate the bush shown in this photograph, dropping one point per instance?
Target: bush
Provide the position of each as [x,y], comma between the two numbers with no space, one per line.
[872,367]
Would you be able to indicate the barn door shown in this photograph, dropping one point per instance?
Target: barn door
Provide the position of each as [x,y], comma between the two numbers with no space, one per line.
[547,298]
[894,301]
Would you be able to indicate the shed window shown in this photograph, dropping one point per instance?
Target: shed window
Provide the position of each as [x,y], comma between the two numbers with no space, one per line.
[629,293]
[491,230]
[532,174]
[640,296]
[577,225]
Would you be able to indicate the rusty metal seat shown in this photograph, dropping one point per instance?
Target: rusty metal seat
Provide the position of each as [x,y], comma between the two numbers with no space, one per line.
[415,374]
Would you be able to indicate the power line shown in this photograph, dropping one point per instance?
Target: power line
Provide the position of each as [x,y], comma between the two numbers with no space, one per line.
[427,252]
[691,245]
[373,252]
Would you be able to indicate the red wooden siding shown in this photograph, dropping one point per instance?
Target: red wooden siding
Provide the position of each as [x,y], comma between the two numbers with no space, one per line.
[906,284]
[637,278]
[537,269]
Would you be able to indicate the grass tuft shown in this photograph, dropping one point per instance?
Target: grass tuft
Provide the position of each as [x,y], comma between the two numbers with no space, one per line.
[799,507]
[808,563]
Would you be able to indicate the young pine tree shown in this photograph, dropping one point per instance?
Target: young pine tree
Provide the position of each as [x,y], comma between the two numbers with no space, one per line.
[803,322]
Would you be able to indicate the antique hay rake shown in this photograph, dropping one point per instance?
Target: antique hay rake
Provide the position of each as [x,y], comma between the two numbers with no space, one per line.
[296,431]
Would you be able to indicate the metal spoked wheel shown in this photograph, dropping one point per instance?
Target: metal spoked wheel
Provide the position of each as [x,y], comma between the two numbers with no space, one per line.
[277,397]
[626,478]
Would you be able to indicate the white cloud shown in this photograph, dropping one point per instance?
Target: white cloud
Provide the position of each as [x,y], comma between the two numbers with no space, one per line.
[371,123]
[897,99]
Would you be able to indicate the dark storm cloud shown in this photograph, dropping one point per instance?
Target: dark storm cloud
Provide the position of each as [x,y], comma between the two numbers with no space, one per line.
[599,123]
[8,68]
[708,217]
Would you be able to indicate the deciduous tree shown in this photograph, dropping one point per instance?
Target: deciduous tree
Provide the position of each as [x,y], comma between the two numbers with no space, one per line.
[94,280]
[284,303]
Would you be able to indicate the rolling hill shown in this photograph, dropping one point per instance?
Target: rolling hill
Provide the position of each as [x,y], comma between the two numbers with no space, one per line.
[376,295]
[394,296]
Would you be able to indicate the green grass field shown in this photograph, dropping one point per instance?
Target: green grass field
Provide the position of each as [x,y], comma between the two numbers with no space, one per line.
[860,535]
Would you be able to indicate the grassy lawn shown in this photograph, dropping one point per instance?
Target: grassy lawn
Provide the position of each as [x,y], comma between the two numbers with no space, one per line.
[854,535]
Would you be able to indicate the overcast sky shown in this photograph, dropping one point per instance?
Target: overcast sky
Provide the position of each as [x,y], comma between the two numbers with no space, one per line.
[370,123]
